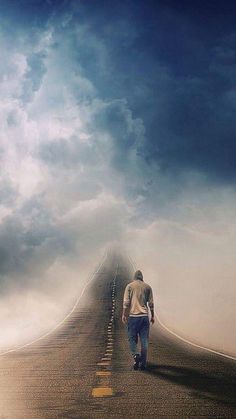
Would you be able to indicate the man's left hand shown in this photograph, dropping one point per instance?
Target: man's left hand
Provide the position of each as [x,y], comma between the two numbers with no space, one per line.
[124,319]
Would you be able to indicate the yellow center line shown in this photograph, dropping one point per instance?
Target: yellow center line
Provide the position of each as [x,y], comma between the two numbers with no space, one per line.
[103,373]
[104,363]
[102,392]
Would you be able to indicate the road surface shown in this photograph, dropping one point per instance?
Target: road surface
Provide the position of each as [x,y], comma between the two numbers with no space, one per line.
[82,369]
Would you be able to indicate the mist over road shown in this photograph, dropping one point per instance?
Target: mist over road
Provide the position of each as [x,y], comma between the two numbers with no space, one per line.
[82,369]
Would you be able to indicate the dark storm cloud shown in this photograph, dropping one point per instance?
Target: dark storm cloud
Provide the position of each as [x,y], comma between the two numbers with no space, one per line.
[174,62]
[176,67]
[30,12]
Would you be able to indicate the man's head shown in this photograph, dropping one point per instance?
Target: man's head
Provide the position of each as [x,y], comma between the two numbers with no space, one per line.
[138,275]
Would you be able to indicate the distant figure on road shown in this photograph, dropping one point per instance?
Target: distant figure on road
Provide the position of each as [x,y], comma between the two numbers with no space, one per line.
[137,297]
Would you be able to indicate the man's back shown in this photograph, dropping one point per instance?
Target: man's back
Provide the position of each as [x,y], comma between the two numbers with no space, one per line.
[137,295]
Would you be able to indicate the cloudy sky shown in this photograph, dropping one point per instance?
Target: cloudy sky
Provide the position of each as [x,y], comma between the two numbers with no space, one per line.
[118,124]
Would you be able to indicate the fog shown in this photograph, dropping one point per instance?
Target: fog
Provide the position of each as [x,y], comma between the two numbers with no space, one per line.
[191,266]
[187,258]
[29,312]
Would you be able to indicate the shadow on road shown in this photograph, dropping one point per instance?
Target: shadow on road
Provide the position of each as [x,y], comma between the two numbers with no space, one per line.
[212,387]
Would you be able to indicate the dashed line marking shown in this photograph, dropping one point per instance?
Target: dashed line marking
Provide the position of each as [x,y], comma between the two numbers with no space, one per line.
[103,389]
[103,373]
[102,392]
[104,364]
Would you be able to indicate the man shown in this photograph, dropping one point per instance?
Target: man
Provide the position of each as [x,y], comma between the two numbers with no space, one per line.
[137,297]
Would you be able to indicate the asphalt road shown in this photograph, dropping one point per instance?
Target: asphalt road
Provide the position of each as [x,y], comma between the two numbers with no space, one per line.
[82,369]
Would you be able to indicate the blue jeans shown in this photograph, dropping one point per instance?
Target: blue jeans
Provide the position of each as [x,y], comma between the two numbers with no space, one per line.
[139,327]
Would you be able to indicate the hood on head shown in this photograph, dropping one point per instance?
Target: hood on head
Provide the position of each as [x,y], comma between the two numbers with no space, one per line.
[138,275]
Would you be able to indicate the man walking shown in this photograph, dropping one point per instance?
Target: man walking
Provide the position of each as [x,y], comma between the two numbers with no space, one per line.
[137,297]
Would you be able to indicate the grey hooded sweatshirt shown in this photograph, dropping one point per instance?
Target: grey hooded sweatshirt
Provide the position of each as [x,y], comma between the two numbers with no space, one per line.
[137,297]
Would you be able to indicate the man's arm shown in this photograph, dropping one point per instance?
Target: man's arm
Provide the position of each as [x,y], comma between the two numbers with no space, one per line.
[151,306]
[126,305]
[125,314]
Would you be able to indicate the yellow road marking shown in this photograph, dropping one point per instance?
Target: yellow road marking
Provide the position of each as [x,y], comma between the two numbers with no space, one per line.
[103,373]
[104,363]
[102,392]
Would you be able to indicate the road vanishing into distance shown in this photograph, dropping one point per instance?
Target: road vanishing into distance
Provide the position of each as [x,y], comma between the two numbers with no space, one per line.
[83,368]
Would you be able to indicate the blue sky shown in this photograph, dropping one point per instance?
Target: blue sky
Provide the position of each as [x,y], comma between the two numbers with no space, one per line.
[118,123]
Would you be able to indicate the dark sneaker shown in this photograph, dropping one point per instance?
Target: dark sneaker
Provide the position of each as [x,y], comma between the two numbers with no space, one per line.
[136,361]
[143,367]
